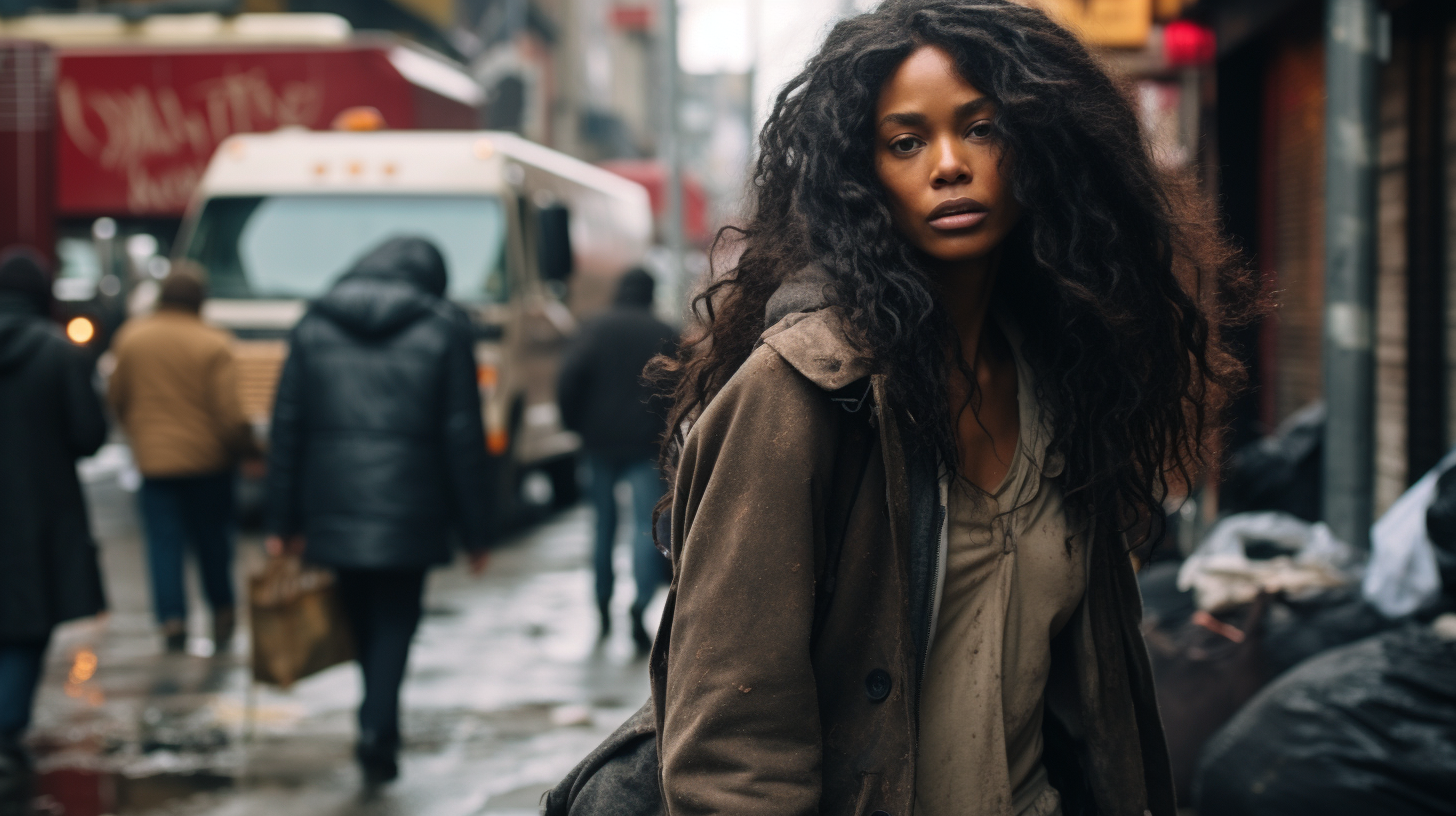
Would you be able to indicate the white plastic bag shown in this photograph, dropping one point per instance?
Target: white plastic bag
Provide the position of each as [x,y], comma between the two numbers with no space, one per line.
[1221,574]
[1403,575]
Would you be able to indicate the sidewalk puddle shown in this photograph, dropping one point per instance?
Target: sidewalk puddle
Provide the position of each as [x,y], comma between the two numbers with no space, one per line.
[85,792]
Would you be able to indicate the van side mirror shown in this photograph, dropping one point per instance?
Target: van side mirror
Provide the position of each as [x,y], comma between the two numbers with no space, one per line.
[554,242]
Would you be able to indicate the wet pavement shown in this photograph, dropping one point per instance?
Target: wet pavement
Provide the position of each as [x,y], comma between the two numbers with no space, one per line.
[507,690]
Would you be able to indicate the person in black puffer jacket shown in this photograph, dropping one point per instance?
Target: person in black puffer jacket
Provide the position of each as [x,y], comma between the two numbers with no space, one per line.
[50,416]
[603,397]
[377,460]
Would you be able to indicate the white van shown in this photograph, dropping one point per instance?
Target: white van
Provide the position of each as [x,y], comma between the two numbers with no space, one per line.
[532,238]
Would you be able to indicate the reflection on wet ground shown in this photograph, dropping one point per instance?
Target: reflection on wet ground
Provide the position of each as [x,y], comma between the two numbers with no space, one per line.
[508,688]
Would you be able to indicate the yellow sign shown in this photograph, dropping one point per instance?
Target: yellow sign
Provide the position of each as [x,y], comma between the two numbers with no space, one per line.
[439,12]
[1105,23]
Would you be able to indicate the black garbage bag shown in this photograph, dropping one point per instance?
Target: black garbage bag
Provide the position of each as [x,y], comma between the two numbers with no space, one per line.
[1300,628]
[1441,526]
[1282,471]
[1165,606]
[1204,669]
[1369,728]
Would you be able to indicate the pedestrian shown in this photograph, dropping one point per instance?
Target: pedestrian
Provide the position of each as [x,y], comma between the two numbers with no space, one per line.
[50,416]
[603,397]
[377,461]
[958,362]
[175,391]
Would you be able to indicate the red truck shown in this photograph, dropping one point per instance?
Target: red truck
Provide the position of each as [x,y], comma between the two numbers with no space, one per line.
[106,125]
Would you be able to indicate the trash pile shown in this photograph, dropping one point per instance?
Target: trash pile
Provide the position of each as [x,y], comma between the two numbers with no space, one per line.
[1295,674]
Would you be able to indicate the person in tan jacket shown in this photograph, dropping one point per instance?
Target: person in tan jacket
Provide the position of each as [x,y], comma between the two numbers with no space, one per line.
[175,391]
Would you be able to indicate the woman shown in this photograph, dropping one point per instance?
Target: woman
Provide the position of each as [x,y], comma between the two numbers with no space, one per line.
[958,364]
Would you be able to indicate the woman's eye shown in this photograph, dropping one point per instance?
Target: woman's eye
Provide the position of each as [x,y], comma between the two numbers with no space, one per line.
[905,144]
[981,130]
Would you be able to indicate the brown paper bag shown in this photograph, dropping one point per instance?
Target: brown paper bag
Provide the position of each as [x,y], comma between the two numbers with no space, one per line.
[298,625]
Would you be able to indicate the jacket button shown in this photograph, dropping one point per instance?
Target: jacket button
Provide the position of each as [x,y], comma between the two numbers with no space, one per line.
[877,685]
[879,813]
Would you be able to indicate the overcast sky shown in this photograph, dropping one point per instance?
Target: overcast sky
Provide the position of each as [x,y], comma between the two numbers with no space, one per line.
[714,35]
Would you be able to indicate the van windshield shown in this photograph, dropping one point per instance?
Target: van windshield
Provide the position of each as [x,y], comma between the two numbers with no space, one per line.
[296,246]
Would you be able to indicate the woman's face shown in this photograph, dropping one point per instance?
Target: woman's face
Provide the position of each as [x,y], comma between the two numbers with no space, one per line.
[937,154]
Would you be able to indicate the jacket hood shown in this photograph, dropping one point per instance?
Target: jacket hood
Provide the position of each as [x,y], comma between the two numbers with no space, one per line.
[375,307]
[392,286]
[810,335]
[22,330]
[803,291]
[407,258]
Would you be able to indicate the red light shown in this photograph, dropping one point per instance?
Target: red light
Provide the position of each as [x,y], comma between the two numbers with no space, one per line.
[1187,43]
[631,17]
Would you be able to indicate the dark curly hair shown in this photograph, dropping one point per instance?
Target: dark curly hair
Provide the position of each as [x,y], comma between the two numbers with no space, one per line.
[1115,273]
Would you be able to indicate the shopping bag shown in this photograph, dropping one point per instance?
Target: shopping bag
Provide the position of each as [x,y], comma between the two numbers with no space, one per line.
[298,626]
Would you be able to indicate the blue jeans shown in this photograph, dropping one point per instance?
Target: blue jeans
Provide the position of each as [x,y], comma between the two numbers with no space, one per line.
[21,664]
[384,608]
[189,512]
[649,568]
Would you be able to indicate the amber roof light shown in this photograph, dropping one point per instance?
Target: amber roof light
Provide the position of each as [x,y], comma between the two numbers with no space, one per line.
[359,119]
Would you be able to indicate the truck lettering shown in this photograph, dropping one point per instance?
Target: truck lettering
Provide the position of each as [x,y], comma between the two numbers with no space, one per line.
[140,124]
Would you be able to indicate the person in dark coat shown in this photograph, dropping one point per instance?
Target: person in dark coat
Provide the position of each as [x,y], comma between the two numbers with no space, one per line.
[378,461]
[603,397]
[50,416]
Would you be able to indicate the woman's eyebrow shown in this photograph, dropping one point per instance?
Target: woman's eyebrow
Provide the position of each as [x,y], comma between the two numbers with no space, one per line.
[906,119]
[910,119]
[973,107]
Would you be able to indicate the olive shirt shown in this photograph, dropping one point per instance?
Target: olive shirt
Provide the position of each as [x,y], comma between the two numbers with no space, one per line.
[1012,575]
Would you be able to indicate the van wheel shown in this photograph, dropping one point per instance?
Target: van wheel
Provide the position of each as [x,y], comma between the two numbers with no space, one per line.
[508,486]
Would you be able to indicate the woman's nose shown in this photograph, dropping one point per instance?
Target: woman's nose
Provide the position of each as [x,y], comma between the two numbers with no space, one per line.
[951,166]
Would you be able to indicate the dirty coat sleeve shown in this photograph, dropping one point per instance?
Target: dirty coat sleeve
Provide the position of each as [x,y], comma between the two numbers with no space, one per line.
[741,727]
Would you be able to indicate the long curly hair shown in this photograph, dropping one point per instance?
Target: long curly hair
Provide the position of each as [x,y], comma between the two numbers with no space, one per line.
[1115,272]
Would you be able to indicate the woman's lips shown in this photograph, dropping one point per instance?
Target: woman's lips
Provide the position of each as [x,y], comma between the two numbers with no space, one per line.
[958,214]
[959,221]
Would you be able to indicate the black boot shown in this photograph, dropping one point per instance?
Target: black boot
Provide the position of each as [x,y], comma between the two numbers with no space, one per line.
[606,619]
[224,622]
[174,636]
[378,756]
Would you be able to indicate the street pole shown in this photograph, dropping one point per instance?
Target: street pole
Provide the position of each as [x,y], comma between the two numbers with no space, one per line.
[671,154]
[1351,35]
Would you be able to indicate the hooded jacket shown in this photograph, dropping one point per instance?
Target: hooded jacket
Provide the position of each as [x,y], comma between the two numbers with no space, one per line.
[600,389]
[786,674]
[50,416]
[377,451]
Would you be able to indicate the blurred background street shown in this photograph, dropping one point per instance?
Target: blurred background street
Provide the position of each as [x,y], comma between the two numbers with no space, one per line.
[508,689]
[568,161]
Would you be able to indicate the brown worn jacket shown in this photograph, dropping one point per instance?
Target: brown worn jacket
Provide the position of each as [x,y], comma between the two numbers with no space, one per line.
[757,712]
[175,390]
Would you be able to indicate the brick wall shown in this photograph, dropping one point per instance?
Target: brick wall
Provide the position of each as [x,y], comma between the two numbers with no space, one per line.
[1390,282]
[1291,216]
